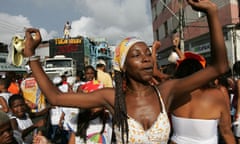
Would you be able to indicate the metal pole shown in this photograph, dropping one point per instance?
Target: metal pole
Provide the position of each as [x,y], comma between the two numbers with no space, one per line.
[169,10]
[181,20]
[234,33]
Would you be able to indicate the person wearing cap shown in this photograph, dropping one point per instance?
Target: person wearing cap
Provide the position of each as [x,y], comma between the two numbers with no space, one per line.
[103,76]
[140,110]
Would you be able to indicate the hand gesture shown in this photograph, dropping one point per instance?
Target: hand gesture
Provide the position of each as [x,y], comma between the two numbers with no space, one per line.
[176,42]
[39,139]
[156,45]
[31,41]
[202,5]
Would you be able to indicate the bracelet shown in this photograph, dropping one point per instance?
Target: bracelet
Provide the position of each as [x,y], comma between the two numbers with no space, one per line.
[33,58]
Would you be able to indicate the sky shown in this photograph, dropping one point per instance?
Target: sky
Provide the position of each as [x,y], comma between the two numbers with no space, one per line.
[111,19]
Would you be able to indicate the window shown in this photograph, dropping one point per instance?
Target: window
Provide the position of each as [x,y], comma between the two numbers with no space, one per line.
[166,28]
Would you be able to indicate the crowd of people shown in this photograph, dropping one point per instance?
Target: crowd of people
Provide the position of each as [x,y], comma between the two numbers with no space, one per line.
[197,102]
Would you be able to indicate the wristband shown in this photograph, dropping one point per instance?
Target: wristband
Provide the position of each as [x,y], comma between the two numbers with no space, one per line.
[33,58]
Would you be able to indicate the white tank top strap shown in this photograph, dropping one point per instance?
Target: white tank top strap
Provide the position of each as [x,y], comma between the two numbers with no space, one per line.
[160,99]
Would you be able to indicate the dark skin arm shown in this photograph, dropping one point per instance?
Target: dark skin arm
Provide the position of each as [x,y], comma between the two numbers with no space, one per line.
[26,131]
[156,72]
[176,89]
[103,97]
[72,139]
[225,122]
[40,113]
[60,124]
[176,42]
[4,105]
[238,102]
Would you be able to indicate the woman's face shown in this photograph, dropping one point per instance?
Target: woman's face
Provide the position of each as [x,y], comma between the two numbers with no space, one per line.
[139,63]
[89,74]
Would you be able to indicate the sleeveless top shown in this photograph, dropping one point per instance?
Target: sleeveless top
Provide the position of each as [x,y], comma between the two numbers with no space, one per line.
[194,131]
[158,133]
[23,124]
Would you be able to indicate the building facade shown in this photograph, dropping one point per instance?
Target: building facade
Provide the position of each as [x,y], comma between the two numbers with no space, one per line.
[102,50]
[175,16]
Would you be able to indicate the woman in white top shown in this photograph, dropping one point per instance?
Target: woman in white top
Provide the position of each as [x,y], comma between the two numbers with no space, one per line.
[197,120]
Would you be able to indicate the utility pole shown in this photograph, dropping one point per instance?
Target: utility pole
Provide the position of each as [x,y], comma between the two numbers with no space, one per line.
[181,22]
[233,30]
[180,19]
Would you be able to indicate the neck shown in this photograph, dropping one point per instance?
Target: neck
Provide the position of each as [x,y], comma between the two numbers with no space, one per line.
[138,91]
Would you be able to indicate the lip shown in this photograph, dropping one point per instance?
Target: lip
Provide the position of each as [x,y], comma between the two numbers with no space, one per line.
[148,69]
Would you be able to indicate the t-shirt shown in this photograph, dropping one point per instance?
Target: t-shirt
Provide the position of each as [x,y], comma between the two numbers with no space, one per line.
[14,88]
[90,86]
[105,78]
[32,93]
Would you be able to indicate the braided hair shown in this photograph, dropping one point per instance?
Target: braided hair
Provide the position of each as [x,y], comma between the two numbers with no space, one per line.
[120,114]
[84,119]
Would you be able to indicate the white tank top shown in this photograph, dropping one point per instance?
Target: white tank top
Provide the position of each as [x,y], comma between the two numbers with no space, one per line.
[194,131]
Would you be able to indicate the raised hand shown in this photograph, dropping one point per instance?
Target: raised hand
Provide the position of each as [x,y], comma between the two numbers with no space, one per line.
[156,45]
[202,5]
[32,40]
[176,41]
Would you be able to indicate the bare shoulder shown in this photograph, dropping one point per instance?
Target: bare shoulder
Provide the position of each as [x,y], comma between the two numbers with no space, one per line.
[216,94]
[167,92]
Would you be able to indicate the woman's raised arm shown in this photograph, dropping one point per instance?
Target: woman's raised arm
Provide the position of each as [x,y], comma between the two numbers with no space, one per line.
[104,97]
[219,63]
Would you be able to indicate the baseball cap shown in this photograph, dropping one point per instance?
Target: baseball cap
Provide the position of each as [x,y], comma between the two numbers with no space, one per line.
[101,62]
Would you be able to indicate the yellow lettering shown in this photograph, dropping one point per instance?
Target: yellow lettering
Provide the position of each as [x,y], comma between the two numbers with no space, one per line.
[60,41]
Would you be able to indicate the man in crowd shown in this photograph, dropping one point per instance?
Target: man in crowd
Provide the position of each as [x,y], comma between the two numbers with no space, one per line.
[103,76]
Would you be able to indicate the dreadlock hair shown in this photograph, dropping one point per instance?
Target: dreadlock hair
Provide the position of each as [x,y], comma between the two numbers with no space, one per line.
[120,111]
[85,117]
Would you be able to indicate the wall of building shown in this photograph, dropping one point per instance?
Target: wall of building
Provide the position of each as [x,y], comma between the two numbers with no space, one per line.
[196,32]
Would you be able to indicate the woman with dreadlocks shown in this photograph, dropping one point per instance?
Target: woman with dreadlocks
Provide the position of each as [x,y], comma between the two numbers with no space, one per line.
[139,109]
